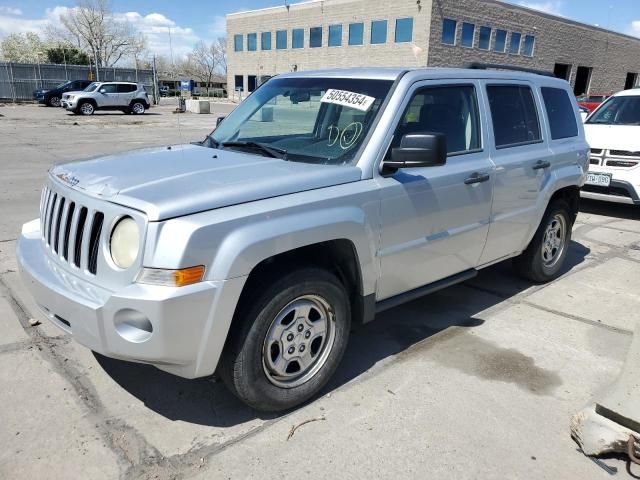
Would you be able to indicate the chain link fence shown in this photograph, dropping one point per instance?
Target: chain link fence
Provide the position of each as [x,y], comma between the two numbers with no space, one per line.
[19,80]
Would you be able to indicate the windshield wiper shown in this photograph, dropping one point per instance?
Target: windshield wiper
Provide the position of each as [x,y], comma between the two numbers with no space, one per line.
[273,152]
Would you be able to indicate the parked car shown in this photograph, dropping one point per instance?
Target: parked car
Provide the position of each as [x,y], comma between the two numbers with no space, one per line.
[126,96]
[613,132]
[592,101]
[253,252]
[52,97]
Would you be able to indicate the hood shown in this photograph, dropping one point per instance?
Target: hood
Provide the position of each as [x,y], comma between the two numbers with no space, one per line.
[174,181]
[41,91]
[74,92]
[613,137]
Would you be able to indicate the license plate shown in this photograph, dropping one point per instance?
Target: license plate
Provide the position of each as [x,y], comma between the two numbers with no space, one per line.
[600,179]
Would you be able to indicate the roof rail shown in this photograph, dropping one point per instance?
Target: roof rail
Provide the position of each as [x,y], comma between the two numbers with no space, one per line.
[497,66]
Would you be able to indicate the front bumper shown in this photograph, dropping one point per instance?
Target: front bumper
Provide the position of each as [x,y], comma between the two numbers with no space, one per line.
[174,329]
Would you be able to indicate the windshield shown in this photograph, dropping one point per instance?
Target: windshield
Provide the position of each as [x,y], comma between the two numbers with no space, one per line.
[91,87]
[63,84]
[624,110]
[314,120]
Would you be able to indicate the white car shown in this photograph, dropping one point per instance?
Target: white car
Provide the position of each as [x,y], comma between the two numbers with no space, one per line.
[613,132]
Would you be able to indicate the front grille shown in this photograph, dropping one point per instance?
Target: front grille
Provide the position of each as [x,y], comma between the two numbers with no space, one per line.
[624,153]
[596,151]
[621,163]
[64,225]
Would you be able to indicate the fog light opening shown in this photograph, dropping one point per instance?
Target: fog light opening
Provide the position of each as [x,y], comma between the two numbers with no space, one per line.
[133,326]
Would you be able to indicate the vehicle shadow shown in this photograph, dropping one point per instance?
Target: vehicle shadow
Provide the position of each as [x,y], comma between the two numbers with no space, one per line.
[609,209]
[110,114]
[208,402]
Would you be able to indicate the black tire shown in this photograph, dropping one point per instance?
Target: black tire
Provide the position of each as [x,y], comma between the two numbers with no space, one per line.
[531,264]
[243,367]
[86,110]
[53,101]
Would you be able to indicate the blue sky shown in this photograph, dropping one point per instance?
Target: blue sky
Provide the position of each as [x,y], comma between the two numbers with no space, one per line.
[194,20]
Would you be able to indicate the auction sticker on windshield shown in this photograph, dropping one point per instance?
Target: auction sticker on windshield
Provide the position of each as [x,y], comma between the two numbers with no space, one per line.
[348,99]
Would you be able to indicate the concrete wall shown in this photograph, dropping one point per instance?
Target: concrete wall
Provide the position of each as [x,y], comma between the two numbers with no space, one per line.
[558,40]
[325,13]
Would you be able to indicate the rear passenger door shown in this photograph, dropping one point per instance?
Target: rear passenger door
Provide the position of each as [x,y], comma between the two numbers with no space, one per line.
[523,166]
[125,93]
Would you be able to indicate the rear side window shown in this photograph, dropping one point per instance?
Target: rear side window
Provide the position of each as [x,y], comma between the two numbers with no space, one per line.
[109,88]
[514,115]
[562,119]
[125,88]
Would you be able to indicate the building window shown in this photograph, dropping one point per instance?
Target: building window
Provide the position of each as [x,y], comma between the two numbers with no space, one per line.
[315,37]
[265,40]
[356,33]
[560,113]
[252,42]
[449,31]
[297,38]
[237,43]
[404,30]
[514,115]
[238,82]
[468,32]
[514,45]
[529,45]
[281,39]
[378,32]
[484,42]
[335,35]
[501,41]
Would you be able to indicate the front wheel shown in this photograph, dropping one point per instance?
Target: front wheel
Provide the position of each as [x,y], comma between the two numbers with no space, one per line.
[86,108]
[543,259]
[54,101]
[288,341]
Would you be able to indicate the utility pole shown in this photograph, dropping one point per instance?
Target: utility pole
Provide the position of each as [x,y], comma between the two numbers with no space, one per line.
[155,81]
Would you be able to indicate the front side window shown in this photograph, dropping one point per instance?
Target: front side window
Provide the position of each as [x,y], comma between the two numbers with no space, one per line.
[311,120]
[501,41]
[265,40]
[468,31]
[315,37]
[252,42]
[404,30]
[237,42]
[281,39]
[562,119]
[449,31]
[378,32]
[514,45]
[528,46]
[356,33]
[484,42]
[450,110]
[514,115]
[297,38]
[623,110]
[335,35]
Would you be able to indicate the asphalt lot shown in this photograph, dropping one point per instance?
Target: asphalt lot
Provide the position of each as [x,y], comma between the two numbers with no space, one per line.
[477,381]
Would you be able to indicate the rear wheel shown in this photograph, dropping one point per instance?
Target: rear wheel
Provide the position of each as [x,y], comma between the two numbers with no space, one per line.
[289,340]
[54,101]
[137,108]
[543,259]
[86,108]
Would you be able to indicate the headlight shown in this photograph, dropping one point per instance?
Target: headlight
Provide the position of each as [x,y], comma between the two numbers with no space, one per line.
[125,242]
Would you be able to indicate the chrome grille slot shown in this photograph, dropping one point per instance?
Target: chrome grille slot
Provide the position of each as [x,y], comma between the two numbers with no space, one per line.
[56,238]
[77,248]
[52,208]
[94,241]
[67,231]
[624,153]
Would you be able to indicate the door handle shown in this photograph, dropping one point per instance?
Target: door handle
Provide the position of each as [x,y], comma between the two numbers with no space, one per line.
[476,177]
[541,164]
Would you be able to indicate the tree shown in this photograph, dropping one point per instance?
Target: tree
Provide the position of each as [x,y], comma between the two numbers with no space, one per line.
[23,47]
[65,53]
[222,54]
[205,61]
[92,27]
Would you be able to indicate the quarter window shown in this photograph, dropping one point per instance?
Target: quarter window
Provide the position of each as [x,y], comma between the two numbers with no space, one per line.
[237,43]
[315,37]
[514,45]
[484,42]
[404,30]
[501,41]
[297,38]
[281,39]
[356,33]
[252,42]
[378,32]
[562,119]
[529,44]
[449,31]
[265,40]
[335,35]
[451,110]
[514,116]
[468,32]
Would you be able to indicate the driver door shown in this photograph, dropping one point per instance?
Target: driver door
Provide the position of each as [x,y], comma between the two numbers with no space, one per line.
[108,95]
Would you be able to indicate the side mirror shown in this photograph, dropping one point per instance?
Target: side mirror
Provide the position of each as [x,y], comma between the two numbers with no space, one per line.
[219,120]
[102,90]
[419,150]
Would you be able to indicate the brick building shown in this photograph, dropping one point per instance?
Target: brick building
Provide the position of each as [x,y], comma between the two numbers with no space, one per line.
[349,33]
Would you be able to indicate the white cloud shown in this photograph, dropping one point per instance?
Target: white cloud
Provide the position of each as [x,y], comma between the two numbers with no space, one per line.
[634,29]
[219,26]
[10,11]
[553,7]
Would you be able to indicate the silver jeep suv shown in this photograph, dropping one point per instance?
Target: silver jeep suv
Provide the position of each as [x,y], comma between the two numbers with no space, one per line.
[323,198]
[126,96]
